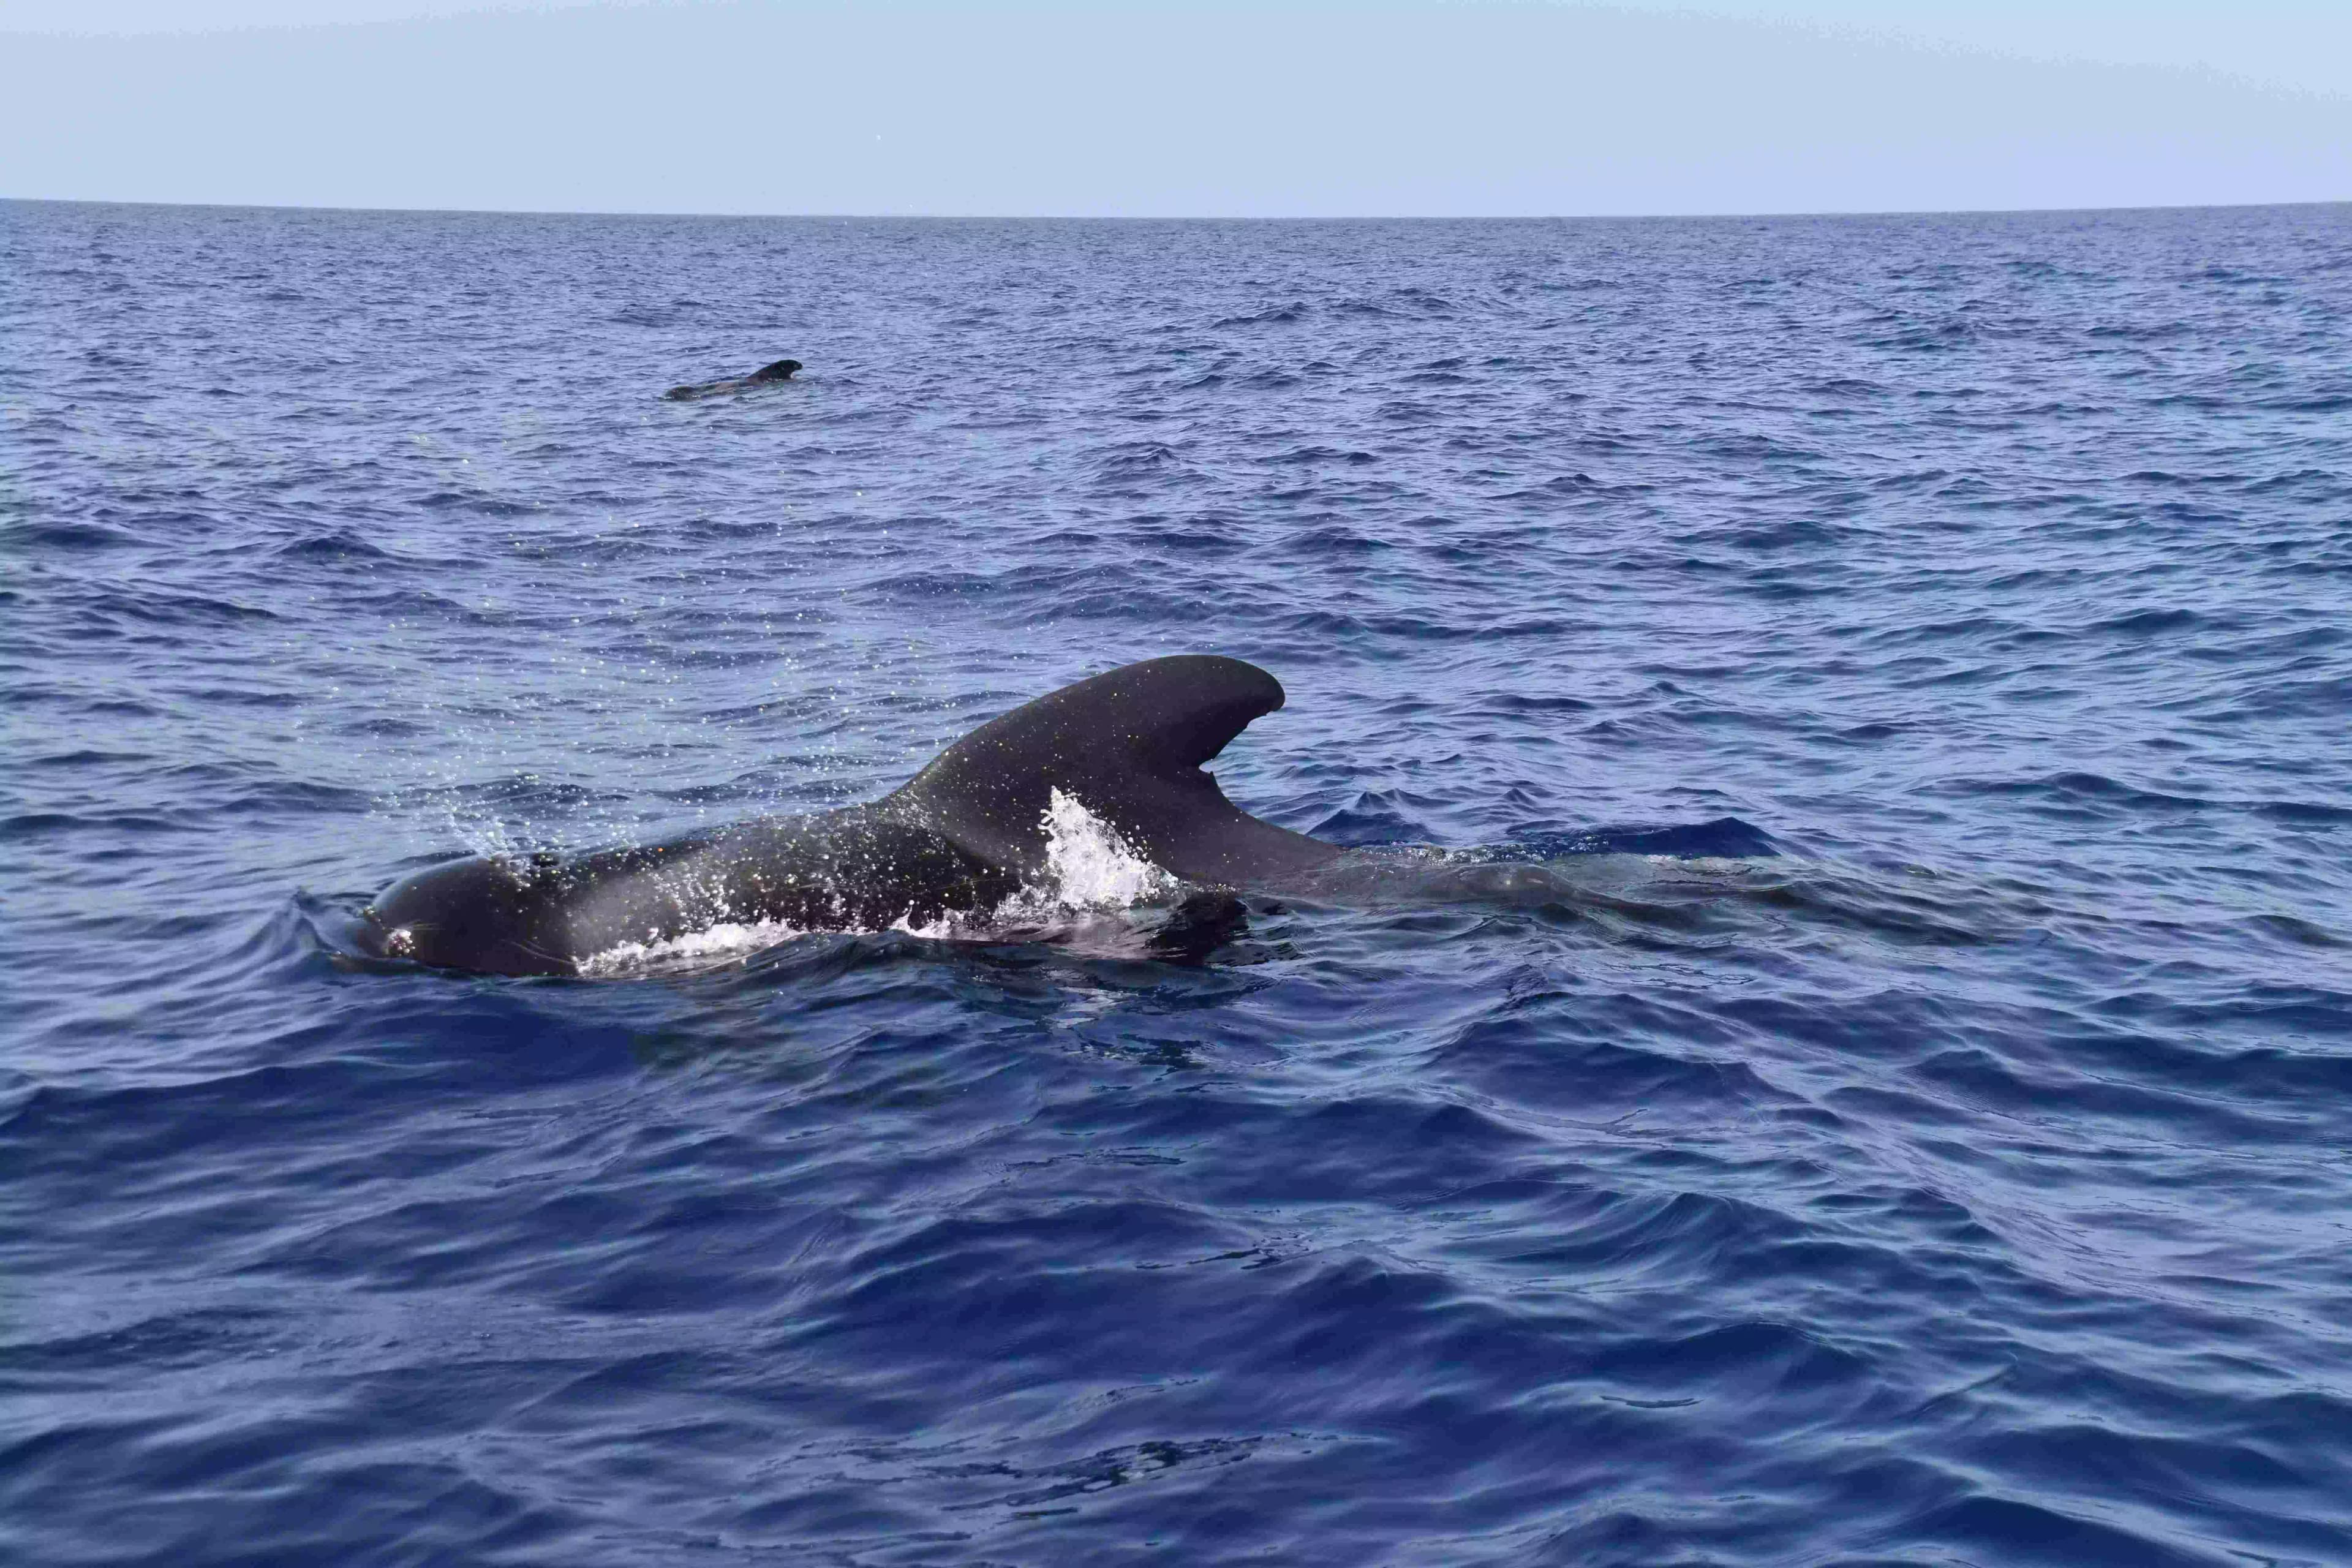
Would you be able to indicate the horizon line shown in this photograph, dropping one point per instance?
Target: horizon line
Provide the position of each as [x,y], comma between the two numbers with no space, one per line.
[1183,217]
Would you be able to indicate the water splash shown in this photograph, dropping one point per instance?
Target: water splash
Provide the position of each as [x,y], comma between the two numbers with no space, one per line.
[1091,878]
[1088,866]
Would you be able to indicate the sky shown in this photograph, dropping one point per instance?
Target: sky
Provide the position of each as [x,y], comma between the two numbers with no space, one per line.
[1155,107]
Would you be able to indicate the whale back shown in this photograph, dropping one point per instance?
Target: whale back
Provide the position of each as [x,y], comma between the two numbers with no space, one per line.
[1128,745]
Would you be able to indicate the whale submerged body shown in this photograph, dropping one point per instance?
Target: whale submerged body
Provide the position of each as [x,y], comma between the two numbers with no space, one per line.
[766,375]
[962,837]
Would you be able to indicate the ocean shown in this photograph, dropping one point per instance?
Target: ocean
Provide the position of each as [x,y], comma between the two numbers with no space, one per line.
[1913,1124]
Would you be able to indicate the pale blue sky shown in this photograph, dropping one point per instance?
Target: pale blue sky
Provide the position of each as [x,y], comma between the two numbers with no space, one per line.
[1305,107]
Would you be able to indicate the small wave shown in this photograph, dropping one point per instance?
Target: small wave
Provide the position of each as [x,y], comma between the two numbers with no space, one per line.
[1407,302]
[2146,621]
[1842,386]
[1940,337]
[1307,455]
[1724,839]
[2079,789]
[1136,460]
[2333,403]
[1526,703]
[334,546]
[1761,447]
[1321,543]
[1273,315]
[2142,331]
[76,536]
[1578,486]
[1374,818]
[180,609]
[488,505]
[2308,812]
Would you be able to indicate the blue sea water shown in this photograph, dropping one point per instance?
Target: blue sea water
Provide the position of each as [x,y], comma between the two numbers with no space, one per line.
[1916,1128]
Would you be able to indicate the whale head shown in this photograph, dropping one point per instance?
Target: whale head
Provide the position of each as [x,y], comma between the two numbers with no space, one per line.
[493,915]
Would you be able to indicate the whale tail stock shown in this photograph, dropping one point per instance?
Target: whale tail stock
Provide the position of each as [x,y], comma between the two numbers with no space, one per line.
[1128,745]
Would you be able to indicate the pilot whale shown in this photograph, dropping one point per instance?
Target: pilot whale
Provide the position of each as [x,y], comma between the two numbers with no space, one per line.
[962,836]
[780,371]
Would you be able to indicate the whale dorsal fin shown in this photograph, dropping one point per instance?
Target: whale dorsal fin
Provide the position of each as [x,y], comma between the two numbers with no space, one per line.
[1128,745]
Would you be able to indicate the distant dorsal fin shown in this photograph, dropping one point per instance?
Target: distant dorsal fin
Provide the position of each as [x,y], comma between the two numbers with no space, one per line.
[1128,745]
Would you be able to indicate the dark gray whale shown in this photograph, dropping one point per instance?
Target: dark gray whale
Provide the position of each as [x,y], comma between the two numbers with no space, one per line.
[962,836]
[780,371]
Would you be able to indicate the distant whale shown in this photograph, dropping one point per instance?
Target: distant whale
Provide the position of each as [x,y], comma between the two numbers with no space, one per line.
[962,836]
[780,371]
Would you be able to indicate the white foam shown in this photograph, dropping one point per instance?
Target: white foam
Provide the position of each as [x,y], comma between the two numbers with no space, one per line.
[1090,866]
[1092,878]
[947,928]
[707,949]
